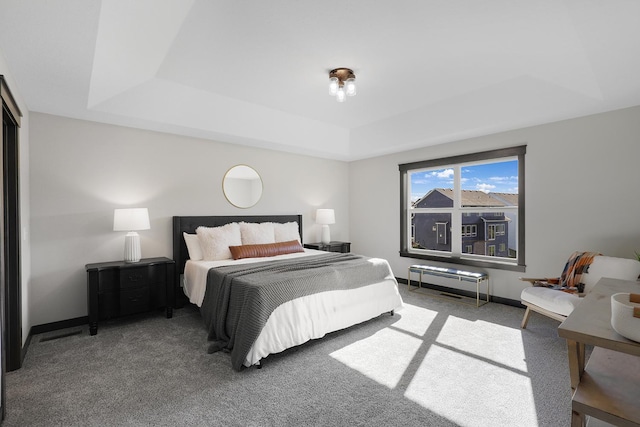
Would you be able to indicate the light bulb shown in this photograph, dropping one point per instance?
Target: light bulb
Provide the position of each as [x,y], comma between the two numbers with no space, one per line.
[333,85]
[341,95]
[350,86]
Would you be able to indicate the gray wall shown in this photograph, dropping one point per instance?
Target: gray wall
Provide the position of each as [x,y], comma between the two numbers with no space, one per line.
[81,171]
[581,185]
[581,194]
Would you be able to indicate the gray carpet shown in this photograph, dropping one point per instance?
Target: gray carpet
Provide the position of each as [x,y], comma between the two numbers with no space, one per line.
[435,363]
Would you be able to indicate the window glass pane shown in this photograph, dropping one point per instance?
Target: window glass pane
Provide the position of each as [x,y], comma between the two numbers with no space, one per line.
[432,188]
[431,231]
[490,184]
[483,230]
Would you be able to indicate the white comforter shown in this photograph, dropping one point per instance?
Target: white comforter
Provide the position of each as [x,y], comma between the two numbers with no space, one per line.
[310,317]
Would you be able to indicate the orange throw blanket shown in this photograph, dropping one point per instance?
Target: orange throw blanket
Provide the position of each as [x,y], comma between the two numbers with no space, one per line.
[576,266]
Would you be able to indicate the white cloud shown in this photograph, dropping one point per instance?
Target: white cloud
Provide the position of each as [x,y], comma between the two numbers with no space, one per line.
[504,178]
[447,173]
[485,187]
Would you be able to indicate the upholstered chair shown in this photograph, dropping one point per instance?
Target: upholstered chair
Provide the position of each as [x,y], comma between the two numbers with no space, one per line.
[558,304]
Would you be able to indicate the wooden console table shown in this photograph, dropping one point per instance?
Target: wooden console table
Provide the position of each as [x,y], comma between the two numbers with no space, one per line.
[608,388]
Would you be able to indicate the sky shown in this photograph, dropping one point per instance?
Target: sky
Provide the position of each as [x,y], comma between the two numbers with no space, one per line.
[499,177]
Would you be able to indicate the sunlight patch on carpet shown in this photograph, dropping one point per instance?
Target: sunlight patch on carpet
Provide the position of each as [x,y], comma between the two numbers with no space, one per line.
[471,391]
[382,357]
[415,320]
[500,344]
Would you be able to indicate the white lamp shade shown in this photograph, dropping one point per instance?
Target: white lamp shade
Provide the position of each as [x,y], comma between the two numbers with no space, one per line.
[325,216]
[131,219]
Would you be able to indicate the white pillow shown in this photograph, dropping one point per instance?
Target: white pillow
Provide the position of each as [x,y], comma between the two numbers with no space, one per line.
[193,246]
[215,241]
[286,232]
[257,234]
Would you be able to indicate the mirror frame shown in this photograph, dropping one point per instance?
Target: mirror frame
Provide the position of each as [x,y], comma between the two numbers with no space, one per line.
[248,199]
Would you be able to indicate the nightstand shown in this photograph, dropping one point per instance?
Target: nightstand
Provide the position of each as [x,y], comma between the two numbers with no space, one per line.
[118,288]
[332,246]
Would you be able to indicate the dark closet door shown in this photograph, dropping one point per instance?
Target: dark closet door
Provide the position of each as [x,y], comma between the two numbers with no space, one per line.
[11,245]
[10,283]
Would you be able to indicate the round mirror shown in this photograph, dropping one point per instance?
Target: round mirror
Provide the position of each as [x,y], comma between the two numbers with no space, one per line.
[242,186]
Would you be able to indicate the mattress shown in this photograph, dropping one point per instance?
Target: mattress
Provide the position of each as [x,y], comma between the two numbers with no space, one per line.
[305,318]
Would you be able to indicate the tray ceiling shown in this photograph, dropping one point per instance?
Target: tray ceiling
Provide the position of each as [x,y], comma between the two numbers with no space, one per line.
[256,73]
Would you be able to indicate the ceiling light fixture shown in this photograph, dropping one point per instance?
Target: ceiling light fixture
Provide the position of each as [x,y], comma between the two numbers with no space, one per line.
[342,83]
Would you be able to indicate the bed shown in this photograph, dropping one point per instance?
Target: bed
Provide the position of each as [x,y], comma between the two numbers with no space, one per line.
[257,306]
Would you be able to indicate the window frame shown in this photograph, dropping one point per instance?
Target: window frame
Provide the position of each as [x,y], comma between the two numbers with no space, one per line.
[491,155]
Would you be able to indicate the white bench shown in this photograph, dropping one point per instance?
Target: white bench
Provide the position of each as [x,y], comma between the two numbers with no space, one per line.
[451,273]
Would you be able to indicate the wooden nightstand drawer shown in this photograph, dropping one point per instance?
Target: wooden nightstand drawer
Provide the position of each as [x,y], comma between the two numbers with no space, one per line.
[108,306]
[134,277]
[157,274]
[118,288]
[134,301]
[107,281]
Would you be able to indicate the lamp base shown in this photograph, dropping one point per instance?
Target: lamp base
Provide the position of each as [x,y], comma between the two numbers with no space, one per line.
[326,234]
[132,251]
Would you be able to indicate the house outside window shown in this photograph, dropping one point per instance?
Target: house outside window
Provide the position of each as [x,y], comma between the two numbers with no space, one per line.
[452,208]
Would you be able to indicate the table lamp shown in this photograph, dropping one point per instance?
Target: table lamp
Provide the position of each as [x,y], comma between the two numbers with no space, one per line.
[325,217]
[131,220]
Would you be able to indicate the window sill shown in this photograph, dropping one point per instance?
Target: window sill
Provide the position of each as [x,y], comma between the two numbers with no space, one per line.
[463,261]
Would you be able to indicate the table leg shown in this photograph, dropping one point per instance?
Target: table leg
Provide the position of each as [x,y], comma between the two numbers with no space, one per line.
[577,419]
[575,352]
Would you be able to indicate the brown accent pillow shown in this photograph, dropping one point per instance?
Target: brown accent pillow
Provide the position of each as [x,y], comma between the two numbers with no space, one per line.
[265,249]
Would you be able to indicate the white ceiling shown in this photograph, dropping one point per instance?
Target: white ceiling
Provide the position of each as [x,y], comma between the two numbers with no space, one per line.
[256,72]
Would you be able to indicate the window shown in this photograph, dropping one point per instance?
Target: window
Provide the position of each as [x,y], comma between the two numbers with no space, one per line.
[465,209]
[469,230]
[495,230]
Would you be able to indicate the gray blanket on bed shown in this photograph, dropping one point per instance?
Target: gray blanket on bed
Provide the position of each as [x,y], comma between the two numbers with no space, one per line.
[239,298]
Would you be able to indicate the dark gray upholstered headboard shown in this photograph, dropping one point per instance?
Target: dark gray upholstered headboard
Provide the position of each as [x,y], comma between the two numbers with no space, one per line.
[190,223]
